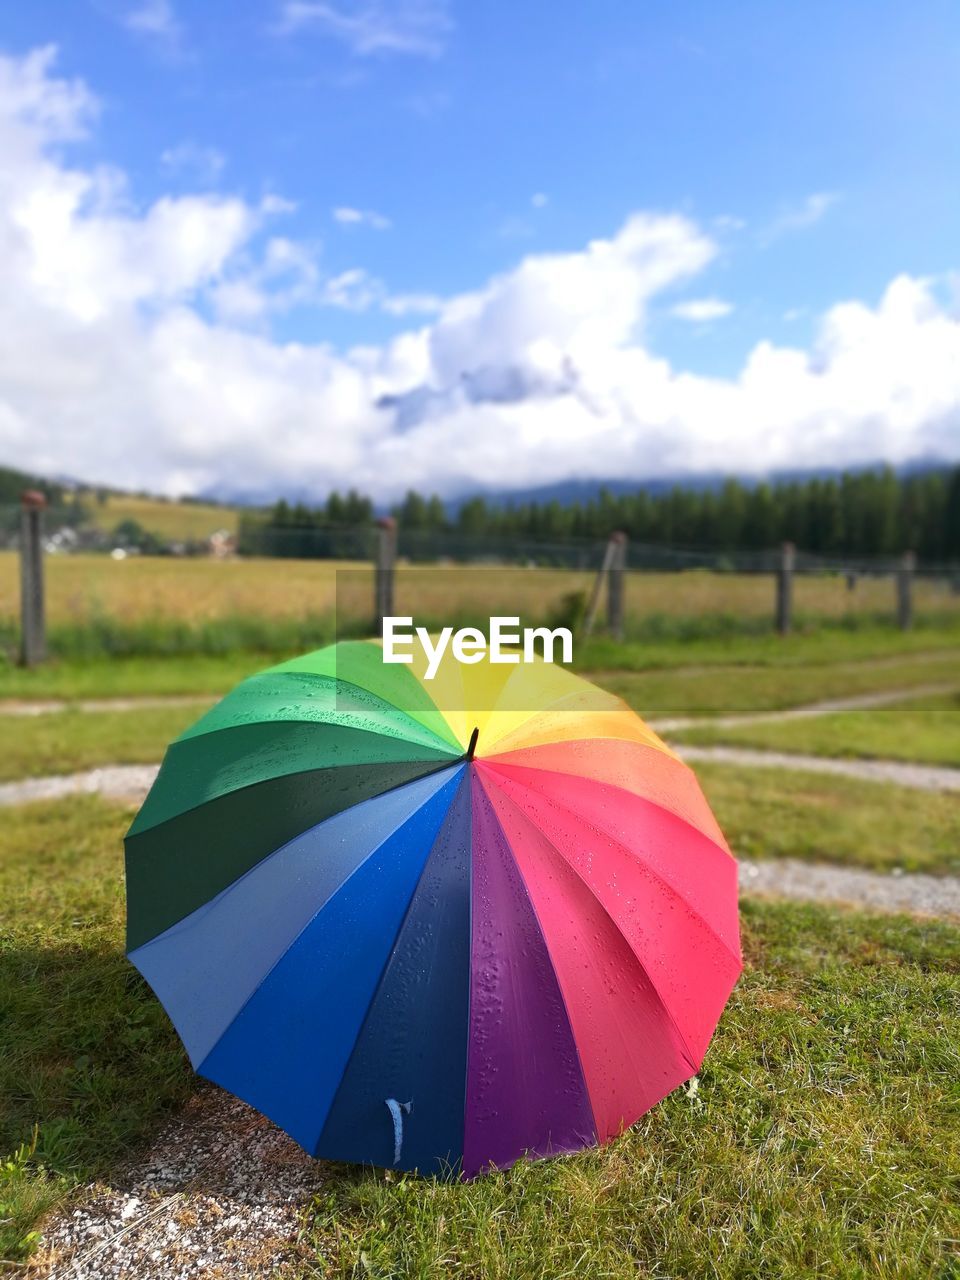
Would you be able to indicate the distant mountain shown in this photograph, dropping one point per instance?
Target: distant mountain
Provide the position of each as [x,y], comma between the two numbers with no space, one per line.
[13,482]
[569,491]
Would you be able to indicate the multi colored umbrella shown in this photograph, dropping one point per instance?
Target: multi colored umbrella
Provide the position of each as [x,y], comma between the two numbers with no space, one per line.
[433,924]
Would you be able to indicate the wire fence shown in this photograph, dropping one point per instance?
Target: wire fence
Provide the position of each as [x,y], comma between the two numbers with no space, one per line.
[294,578]
[69,530]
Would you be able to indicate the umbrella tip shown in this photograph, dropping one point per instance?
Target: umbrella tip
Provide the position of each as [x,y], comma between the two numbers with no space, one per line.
[473,742]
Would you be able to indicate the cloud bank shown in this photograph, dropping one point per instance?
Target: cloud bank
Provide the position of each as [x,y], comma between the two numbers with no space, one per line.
[135,349]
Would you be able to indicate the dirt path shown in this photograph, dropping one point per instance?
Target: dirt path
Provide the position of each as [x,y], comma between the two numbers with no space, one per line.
[807,711]
[912,892]
[218,1194]
[115,781]
[50,706]
[132,781]
[918,777]
[883,698]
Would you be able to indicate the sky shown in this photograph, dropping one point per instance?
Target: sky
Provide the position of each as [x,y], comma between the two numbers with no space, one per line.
[287,245]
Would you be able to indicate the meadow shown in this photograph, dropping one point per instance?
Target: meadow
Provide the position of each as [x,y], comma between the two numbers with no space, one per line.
[184,521]
[926,730]
[822,1136]
[146,604]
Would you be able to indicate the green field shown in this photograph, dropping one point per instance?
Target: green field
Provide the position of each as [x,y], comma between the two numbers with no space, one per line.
[764,813]
[822,1137]
[779,813]
[72,740]
[926,730]
[707,676]
[160,606]
[174,520]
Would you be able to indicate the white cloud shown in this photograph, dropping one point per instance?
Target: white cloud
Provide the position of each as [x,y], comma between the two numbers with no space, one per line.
[349,217]
[285,276]
[807,214]
[539,200]
[415,27]
[569,305]
[194,162]
[353,290]
[46,109]
[728,222]
[702,310]
[157,20]
[127,353]
[406,304]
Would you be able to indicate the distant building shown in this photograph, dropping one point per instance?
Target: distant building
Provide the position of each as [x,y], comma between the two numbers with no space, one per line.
[222,545]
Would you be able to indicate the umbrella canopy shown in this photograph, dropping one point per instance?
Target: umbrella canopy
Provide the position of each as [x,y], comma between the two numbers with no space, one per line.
[433,924]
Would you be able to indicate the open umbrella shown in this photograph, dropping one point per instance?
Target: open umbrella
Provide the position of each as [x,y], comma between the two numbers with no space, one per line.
[433,924]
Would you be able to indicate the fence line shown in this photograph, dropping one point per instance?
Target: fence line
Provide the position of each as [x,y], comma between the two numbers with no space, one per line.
[384,544]
[358,542]
[33,625]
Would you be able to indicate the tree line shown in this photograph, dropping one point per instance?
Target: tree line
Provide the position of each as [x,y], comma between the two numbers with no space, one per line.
[873,512]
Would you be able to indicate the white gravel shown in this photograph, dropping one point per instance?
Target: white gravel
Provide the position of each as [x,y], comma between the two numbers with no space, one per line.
[116,781]
[219,1194]
[50,706]
[912,892]
[808,711]
[918,777]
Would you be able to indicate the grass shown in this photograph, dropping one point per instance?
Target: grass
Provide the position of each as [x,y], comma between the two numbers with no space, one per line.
[812,647]
[132,676]
[702,677]
[83,589]
[178,520]
[88,1061]
[144,604]
[74,739]
[64,742]
[763,813]
[926,730]
[162,638]
[724,690]
[822,1137]
[767,813]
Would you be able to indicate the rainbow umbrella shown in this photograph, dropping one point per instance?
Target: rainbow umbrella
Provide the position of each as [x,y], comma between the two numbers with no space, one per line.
[433,924]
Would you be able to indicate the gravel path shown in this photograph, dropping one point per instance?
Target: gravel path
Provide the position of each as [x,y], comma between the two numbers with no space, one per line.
[885,698]
[918,777]
[50,706]
[133,781]
[807,711]
[933,895]
[116,781]
[821,882]
[219,1194]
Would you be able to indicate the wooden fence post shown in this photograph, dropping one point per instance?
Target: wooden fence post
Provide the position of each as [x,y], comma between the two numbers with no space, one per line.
[33,629]
[383,571]
[593,605]
[904,580]
[615,584]
[788,557]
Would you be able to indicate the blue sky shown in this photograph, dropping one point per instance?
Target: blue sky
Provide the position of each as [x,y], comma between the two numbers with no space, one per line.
[815,146]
